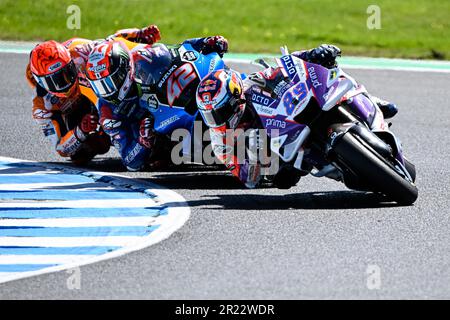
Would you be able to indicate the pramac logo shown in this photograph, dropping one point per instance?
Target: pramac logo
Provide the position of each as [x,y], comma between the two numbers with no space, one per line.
[276,123]
[314,79]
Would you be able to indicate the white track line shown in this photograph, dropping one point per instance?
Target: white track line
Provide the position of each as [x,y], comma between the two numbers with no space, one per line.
[25,48]
[30,173]
[361,67]
[12,275]
[119,203]
[177,214]
[43,259]
[80,222]
[36,186]
[68,241]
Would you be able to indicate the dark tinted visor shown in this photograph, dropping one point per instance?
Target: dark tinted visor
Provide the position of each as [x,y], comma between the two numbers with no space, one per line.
[108,87]
[218,117]
[59,81]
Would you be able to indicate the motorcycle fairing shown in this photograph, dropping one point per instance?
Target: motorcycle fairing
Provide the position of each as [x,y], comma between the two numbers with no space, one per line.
[167,97]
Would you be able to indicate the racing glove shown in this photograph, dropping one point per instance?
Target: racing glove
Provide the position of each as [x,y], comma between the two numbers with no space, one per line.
[150,34]
[147,135]
[147,35]
[42,114]
[88,124]
[324,55]
[215,44]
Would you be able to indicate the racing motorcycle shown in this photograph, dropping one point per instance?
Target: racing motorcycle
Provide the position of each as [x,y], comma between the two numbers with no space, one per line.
[326,124]
[169,93]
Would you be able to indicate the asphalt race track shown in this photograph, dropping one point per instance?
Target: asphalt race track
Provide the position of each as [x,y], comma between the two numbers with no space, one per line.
[317,240]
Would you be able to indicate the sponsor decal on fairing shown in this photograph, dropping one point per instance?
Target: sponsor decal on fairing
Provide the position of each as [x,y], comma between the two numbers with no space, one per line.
[167,75]
[313,76]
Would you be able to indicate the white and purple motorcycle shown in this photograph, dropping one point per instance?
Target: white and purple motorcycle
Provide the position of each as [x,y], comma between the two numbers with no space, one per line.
[325,124]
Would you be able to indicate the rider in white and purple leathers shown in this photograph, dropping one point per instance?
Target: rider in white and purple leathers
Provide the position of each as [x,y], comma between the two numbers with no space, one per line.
[222,97]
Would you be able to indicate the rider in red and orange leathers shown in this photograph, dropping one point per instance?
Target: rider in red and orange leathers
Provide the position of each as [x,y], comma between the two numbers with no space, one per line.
[64,104]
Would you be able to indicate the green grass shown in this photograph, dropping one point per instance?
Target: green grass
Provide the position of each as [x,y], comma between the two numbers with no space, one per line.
[413,28]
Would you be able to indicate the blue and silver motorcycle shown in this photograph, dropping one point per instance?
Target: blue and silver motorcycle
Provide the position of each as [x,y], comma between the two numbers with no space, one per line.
[168,77]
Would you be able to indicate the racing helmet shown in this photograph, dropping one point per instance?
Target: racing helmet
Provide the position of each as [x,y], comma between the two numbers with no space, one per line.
[53,68]
[220,98]
[110,71]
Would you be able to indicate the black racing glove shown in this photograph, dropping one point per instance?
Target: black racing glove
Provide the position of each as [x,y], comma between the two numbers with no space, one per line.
[215,44]
[325,55]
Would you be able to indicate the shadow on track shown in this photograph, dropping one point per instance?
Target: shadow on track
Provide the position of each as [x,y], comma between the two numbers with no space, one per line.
[185,176]
[199,177]
[115,165]
[197,181]
[105,165]
[307,200]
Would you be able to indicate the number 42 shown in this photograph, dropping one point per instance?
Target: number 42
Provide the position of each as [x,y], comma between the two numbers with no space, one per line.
[178,81]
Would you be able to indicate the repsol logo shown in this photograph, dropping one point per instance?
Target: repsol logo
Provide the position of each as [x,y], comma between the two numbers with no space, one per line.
[276,123]
[312,74]
[289,65]
[55,66]
[260,99]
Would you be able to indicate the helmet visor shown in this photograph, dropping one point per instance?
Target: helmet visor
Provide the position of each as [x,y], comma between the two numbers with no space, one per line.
[218,117]
[59,81]
[108,88]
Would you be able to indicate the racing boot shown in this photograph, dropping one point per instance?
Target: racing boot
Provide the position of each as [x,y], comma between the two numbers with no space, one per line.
[388,109]
[98,143]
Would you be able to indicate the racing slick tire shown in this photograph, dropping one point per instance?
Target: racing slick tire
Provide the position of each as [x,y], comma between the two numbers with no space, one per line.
[370,167]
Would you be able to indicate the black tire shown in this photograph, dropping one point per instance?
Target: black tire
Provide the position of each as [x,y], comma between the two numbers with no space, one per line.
[370,167]
[411,169]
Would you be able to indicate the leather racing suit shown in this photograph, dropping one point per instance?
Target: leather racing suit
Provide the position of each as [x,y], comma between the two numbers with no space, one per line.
[60,118]
[269,82]
[124,123]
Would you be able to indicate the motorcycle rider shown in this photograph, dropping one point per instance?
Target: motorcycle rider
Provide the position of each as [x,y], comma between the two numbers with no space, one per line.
[120,76]
[224,101]
[63,102]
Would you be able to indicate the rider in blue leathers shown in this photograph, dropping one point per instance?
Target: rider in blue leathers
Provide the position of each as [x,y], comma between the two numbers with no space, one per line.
[122,79]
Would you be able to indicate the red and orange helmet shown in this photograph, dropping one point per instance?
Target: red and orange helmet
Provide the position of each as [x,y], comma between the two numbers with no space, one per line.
[53,68]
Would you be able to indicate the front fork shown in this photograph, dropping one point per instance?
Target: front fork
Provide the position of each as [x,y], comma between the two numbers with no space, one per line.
[383,142]
[368,111]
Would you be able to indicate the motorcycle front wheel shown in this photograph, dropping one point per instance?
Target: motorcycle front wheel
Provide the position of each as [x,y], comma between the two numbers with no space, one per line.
[374,170]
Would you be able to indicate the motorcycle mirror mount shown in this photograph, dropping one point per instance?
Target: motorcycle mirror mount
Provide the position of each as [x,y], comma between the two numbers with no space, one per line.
[261,62]
[284,50]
